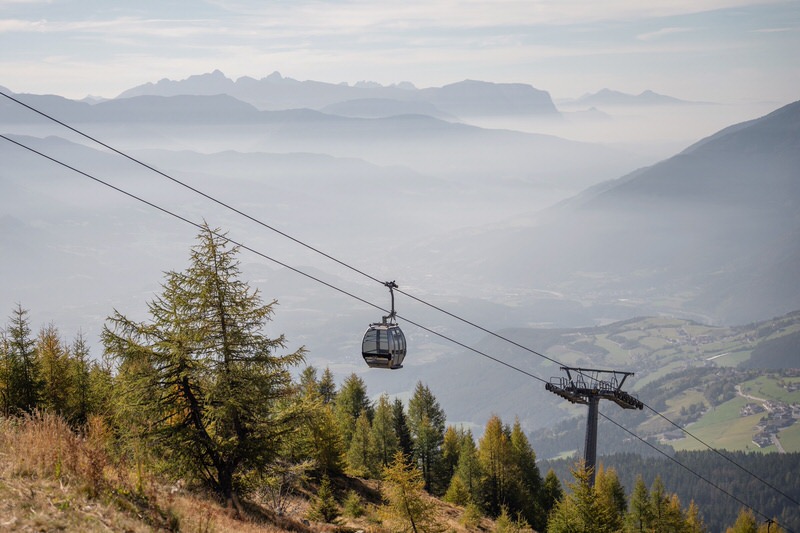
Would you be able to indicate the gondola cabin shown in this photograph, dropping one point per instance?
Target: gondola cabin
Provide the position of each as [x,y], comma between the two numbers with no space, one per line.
[384,346]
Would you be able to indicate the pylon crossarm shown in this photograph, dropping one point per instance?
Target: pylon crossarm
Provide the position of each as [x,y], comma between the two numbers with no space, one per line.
[579,391]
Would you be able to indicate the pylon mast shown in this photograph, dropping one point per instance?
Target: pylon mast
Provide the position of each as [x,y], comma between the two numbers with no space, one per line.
[584,386]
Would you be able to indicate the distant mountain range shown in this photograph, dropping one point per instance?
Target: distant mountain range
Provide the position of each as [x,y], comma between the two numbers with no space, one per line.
[610,98]
[408,136]
[710,233]
[274,92]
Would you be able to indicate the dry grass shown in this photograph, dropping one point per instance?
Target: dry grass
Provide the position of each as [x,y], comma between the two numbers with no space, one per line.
[53,479]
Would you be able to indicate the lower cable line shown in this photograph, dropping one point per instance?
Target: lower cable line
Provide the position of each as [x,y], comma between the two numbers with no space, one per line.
[346,265]
[422,327]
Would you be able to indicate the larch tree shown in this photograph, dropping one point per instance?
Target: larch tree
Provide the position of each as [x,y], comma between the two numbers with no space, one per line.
[469,467]
[351,400]
[465,484]
[401,429]
[5,375]
[494,454]
[80,404]
[640,510]
[319,437]
[54,363]
[526,497]
[611,495]
[384,437]
[309,383]
[451,446]
[361,459]
[426,420]
[551,490]
[24,388]
[694,522]
[580,511]
[407,508]
[327,386]
[202,375]
[746,523]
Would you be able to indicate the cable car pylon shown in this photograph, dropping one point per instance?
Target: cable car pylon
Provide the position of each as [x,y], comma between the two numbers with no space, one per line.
[586,387]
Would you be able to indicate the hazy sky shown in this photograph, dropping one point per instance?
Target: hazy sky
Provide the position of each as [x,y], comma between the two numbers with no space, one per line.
[715,50]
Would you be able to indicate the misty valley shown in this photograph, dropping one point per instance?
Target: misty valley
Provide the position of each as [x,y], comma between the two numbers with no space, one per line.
[554,226]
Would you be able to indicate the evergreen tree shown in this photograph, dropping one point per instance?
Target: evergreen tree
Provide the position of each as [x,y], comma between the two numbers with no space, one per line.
[551,491]
[202,374]
[494,454]
[694,523]
[54,364]
[383,436]
[101,387]
[24,385]
[580,510]
[400,422]
[745,523]
[324,507]
[451,446]
[351,400]
[327,387]
[468,470]
[527,490]
[407,508]
[319,436]
[308,380]
[426,420]
[361,458]
[5,375]
[640,512]
[80,401]
[611,496]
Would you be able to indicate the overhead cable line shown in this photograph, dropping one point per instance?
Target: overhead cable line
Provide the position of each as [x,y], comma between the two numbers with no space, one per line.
[187,186]
[184,219]
[263,255]
[347,293]
[354,269]
[268,226]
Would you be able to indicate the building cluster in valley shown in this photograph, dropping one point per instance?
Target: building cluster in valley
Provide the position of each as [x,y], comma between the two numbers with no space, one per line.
[779,415]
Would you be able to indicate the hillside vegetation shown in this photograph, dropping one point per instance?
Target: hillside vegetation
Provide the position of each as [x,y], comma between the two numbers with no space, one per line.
[192,421]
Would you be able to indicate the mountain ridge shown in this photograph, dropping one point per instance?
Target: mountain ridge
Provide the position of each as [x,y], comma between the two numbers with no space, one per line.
[273,92]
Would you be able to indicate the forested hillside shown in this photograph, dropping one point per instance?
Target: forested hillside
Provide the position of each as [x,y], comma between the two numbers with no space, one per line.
[717,504]
[198,395]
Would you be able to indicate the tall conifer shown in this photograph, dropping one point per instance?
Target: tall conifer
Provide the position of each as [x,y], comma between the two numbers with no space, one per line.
[202,374]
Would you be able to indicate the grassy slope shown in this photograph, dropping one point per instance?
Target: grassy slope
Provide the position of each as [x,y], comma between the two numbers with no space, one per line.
[655,347]
[53,480]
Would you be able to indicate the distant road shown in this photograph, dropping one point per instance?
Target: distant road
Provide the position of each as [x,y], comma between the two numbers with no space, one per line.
[743,395]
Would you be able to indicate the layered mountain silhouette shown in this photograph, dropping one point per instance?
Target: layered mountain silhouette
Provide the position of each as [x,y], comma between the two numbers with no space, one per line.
[275,92]
[415,139]
[609,97]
